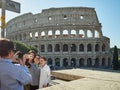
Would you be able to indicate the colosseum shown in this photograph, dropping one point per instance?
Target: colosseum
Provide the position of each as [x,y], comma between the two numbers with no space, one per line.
[67,37]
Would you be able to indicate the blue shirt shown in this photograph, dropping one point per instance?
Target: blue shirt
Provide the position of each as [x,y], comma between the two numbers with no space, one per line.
[13,77]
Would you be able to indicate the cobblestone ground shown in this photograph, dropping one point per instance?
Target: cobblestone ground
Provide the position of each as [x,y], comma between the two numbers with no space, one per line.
[94,80]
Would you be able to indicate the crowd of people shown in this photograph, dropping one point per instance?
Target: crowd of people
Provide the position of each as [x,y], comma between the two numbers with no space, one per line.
[18,71]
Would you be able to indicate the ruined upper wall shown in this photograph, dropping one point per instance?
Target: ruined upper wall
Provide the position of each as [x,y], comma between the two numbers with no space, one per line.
[56,17]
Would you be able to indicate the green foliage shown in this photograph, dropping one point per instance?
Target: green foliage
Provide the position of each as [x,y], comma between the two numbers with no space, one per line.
[115,59]
[23,47]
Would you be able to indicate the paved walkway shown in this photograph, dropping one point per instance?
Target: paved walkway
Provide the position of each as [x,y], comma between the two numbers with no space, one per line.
[94,80]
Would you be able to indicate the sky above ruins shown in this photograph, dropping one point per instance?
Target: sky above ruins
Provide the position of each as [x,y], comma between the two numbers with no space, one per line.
[108,12]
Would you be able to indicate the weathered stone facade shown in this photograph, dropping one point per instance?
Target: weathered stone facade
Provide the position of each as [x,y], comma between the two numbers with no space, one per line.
[69,36]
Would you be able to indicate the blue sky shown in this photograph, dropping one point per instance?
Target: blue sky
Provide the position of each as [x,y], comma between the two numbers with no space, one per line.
[108,12]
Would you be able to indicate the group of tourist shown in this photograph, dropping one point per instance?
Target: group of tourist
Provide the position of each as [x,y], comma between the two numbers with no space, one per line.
[22,72]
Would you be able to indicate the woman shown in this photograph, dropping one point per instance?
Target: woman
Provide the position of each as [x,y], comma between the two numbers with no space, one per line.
[35,72]
[44,73]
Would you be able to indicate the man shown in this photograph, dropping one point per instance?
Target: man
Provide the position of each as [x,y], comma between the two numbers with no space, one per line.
[12,77]
[44,73]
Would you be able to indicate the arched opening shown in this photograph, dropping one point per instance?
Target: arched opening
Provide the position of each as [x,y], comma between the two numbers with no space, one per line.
[81,62]
[81,33]
[96,62]
[49,62]
[81,48]
[50,34]
[73,33]
[65,33]
[57,62]
[89,48]
[65,62]
[57,33]
[31,35]
[97,34]
[89,33]
[65,48]
[49,48]
[97,47]
[42,48]
[73,48]
[73,62]
[36,34]
[57,48]
[42,34]
[89,62]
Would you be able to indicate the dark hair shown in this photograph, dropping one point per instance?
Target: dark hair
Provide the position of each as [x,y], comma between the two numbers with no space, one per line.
[44,58]
[5,46]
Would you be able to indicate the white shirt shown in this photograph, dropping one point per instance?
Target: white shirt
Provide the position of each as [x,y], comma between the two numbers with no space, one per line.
[44,76]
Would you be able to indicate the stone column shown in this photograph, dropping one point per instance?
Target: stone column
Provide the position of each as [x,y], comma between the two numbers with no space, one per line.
[93,61]
[69,61]
[85,33]
[77,31]
[85,48]
[106,61]
[61,62]
[53,61]
[85,62]
[100,61]
[77,62]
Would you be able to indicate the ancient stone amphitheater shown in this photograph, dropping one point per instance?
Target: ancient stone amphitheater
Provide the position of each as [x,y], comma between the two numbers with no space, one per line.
[67,37]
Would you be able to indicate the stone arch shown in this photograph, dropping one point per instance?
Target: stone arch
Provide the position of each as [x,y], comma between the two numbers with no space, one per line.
[81,33]
[42,48]
[89,62]
[57,48]
[73,62]
[73,48]
[96,62]
[81,62]
[81,48]
[57,62]
[89,33]
[65,48]
[31,35]
[42,34]
[65,62]
[57,33]
[65,33]
[97,34]
[50,33]
[97,47]
[36,34]
[73,33]
[50,61]
[49,48]
[89,47]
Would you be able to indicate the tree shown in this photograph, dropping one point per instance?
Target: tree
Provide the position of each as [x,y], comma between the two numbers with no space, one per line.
[24,48]
[115,58]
